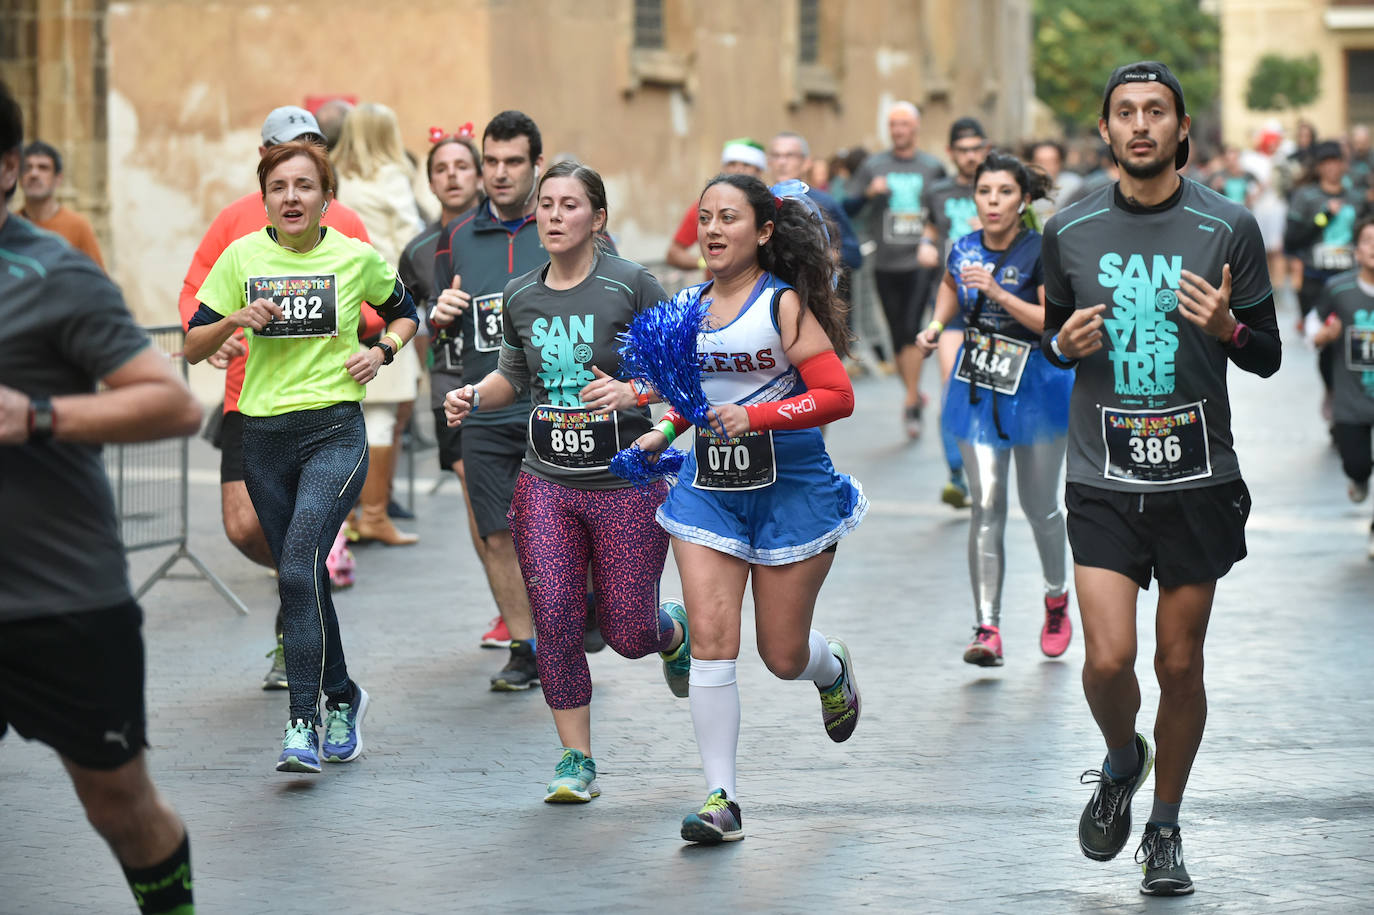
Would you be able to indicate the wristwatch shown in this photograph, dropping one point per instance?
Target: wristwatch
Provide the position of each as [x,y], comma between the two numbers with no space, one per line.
[41,420]
[388,351]
[1239,337]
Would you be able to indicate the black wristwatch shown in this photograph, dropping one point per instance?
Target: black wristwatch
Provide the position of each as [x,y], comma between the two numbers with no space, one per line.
[40,419]
[388,351]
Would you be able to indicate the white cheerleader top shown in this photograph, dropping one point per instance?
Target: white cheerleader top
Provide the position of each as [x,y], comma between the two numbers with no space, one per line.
[743,362]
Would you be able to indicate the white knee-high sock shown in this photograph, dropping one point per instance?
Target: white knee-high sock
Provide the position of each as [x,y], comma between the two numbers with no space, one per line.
[823,669]
[714,697]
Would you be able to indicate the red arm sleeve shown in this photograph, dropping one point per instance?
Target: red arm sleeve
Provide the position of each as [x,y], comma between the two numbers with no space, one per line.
[680,423]
[829,396]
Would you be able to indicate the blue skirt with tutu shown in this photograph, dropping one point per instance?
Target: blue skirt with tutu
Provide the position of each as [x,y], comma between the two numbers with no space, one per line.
[1037,412]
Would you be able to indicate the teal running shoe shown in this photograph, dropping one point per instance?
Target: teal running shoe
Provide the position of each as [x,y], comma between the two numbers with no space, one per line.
[574,779]
[300,748]
[677,664]
[343,730]
[840,704]
[717,821]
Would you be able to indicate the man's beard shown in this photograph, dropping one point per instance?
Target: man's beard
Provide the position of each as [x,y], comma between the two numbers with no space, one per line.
[1147,170]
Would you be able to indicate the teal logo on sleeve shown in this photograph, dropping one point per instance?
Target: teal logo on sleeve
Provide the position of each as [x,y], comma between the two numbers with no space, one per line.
[1142,338]
[565,350]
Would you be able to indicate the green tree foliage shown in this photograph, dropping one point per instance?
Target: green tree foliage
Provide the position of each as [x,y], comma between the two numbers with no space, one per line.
[1077,44]
[1279,82]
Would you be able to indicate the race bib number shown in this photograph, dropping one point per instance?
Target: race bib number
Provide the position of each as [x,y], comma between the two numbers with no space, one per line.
[574,438]
[903,228]
[992,361]
[448,352]
[309,305]
[486,322]
[1359,349]
[735,464]
[1332,257]
[1156,446]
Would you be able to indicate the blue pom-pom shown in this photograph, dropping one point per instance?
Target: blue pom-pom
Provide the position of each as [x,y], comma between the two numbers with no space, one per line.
[660,346]
[633,464]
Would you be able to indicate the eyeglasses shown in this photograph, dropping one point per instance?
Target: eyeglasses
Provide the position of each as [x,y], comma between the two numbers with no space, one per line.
[969,149]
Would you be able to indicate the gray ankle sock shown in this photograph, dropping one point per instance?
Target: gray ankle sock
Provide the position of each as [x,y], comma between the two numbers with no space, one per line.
[1123,761]
[1162,814]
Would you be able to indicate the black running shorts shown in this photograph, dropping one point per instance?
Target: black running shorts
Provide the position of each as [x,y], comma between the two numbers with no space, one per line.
[1181,536]
[491,462]
[450,439]
[75,682]
[231,448]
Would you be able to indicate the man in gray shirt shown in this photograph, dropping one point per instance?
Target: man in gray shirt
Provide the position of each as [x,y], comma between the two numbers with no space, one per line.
[71,650]
[894,181]
[1154,488]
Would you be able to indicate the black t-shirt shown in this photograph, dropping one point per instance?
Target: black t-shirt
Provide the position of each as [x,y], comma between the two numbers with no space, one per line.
[1352,383]
[65,326]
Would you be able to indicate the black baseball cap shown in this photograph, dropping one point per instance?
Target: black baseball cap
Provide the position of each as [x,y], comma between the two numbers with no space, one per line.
[1149,71]
[965,127]
[1326,149]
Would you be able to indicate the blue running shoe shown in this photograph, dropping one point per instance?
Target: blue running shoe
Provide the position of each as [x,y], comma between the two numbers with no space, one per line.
[574,779]
[717,821]
[343,730]
[300,748]
[677,664]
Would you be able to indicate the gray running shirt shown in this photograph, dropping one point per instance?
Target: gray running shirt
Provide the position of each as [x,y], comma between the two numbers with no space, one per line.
[897,219]
[950,209]
[1352,385]
[553,337]
[65,327]
[1150,410]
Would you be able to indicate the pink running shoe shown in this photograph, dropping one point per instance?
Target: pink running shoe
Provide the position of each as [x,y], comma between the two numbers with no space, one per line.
[1058,628]
[498,636]
[986,648]
[339,562]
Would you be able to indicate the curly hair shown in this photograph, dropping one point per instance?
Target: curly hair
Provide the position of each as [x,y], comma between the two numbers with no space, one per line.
[796,253]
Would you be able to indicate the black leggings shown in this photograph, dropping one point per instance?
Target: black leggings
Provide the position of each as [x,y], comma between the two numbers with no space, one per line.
[304,470]
[1353,442]
[905,295]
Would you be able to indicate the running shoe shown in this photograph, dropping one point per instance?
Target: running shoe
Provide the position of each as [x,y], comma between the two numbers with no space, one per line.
[498,636]
[1058,628]
[717,821]
[841,703]
[1105,824]
[343,729]
[300,748]
[955,493]
[986,648]
[574,779]
[1160,857]
[1357,491]
[1370,551]
[276,677]
[520,671]
[677,664]
[911,421]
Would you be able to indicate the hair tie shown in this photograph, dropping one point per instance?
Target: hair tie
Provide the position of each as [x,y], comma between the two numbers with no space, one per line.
[777,203]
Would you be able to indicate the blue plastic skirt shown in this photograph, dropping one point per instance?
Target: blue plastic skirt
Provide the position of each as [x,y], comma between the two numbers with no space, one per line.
[1037,412]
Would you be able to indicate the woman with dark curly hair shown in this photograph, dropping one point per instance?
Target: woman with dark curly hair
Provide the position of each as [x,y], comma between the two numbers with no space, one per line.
[757,496]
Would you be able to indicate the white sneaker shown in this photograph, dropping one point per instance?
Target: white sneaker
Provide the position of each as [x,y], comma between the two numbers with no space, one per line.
[1357,491]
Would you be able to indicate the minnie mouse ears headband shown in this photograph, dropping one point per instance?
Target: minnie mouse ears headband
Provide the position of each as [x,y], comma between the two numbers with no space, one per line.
[463,133]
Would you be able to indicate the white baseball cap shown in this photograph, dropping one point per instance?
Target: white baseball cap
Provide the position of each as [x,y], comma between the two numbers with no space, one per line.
[288,123]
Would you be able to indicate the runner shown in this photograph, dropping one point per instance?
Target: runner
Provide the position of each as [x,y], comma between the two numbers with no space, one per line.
[1347,308]
[240,218]
[1005,401]
[304,445]
[950,215]
[758,496]
[71,643]
[895,180]
[570,513]
[476,257]
[1154,487]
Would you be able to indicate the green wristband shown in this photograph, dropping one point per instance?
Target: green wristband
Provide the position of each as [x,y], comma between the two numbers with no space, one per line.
[668,429]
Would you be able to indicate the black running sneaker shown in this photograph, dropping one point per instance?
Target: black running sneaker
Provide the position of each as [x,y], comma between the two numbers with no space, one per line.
[520,671]
[1160,857]
[1105,824]
[718,820]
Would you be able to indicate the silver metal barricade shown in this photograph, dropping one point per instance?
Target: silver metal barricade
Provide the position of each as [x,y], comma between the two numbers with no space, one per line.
[151,489]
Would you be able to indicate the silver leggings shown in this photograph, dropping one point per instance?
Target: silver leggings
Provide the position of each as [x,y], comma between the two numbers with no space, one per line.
[1037,483]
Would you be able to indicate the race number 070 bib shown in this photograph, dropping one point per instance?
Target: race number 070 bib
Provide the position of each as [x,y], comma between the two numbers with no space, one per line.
[1359,349]
[735,464]
[1156,446]
[309,304]
[486,322]
[993,361]
[574,438]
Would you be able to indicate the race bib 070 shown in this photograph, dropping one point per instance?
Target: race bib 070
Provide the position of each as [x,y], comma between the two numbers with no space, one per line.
[735,464]
[309,304]
[993,361]
[1156,446]
[574,438]
[486,321]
